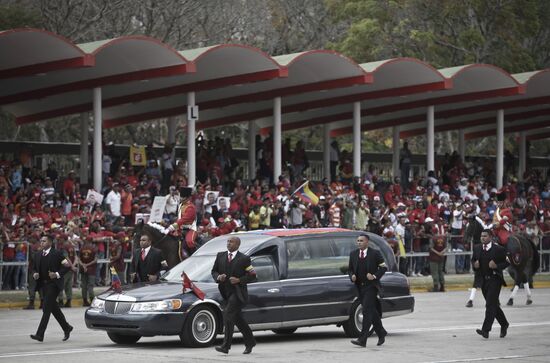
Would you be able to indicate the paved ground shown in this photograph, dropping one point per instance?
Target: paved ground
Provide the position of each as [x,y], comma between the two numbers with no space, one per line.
[440,330]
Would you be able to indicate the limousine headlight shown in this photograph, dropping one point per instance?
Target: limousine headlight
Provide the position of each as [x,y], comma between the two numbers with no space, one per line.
[98,304]
[163,305]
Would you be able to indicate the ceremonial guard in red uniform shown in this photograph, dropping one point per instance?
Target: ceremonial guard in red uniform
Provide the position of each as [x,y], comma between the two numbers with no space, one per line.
[186,224]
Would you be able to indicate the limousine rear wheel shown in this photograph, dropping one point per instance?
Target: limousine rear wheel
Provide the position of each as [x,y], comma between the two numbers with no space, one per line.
[200,328]
[284,331]
[352,327]
[123,338]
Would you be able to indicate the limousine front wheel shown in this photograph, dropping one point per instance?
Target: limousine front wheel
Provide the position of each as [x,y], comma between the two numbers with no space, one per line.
[352,327]
[200,328]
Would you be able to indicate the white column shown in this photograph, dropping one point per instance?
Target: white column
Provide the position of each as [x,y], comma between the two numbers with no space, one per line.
[357,139]
[251,150]
[171,124]
[326,151]
[522,154]
[430,164]
[191,162]
[395,153]
[98,152]
[84,168]
[277,147]
[500,148]
[461,145]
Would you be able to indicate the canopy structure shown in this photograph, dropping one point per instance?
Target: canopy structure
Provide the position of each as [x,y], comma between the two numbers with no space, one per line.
[134,79]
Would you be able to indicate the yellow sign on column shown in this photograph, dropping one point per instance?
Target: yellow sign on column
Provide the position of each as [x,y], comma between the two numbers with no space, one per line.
[137,156]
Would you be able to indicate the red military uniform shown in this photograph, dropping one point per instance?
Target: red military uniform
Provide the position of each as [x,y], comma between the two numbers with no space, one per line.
[186,223]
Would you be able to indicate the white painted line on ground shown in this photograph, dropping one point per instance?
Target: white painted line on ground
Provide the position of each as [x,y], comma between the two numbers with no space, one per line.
[56,352]
[485,359]
[465,327]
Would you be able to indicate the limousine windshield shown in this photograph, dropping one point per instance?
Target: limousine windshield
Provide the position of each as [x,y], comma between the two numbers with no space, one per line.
[198,268]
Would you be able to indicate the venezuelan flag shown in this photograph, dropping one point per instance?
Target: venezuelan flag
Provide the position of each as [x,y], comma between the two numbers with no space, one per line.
[115,280]
[306,195]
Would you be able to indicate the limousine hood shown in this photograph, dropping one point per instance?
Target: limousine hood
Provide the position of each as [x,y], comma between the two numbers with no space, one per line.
[156,291]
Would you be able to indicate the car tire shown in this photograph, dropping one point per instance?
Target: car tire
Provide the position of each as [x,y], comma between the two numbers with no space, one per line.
[352,326]
[123,338]
[200,328]
[284,331]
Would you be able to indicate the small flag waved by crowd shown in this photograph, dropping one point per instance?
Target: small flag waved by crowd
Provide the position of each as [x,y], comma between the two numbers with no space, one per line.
[115,280]
[306,195]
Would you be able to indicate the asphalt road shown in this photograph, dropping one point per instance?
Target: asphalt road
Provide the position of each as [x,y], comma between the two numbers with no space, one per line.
[440,330]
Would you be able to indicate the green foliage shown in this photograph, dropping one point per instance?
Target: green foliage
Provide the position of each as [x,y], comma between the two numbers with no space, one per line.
[18,16]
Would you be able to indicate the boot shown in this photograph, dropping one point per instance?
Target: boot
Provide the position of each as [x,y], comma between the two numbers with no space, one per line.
[85,303]
[30,306]
[435,288]
[68,303]
[469,304]
[442,288]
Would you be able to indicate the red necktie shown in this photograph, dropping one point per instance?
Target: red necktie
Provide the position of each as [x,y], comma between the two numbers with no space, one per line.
[486,247]
[229,258]
[44,253]
[362,254]
[143,254]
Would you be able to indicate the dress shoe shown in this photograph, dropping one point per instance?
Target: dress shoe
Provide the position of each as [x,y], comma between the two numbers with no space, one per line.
[359,343]
[381,339]
[29,307]
[529,302]
[68,333]
[37,337]
[510,302]
[483,333]
[222,349]
[248,349]
[469,304]
[504,330]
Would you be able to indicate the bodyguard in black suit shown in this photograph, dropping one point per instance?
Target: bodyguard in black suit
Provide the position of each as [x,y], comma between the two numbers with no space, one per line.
[488,261]
[147,261]
[48,270]
[366,268]
[232,271]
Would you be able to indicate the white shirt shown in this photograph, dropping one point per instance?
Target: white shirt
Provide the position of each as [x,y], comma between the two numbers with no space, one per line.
[232,254]
[114,201]
[146,251]
[46,252]
[489,245]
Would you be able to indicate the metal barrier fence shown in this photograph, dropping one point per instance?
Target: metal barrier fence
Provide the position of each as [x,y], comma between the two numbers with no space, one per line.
[411,261]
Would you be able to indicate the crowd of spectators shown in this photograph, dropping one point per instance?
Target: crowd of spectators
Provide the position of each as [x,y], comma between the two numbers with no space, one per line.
[412,213]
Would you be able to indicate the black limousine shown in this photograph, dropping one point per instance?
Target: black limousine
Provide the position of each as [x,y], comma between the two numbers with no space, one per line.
[302,282]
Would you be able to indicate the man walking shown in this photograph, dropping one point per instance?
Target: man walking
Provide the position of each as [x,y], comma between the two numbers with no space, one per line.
[232,271]
[147,261]
[488,261]
[48,270]
[366,268]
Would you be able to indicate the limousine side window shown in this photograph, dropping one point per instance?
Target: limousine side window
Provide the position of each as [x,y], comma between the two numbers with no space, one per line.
[265,268]
[312,257]
[343,247]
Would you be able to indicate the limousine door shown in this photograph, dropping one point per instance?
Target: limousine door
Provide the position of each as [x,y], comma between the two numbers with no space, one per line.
[265,297]
[315,290]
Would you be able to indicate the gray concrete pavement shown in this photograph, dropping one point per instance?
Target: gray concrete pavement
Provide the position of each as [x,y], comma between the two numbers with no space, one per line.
[440,330]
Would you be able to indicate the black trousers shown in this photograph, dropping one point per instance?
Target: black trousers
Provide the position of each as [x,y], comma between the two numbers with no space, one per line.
[232,315]
[371,314]
[50,291]
[491,291]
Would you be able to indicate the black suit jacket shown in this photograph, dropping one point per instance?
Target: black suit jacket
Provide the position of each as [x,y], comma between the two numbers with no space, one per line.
[153,263]
[375,265]
[239,267]
[497,254]
[55,265]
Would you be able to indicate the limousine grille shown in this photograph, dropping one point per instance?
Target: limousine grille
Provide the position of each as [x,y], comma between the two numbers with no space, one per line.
[117,307]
